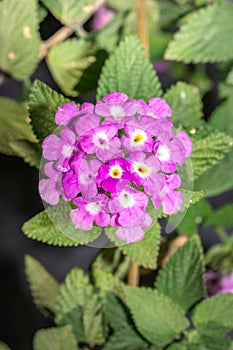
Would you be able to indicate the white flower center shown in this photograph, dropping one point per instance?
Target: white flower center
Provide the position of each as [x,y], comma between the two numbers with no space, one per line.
[138,138]
[101,140]
[67,151]
[115,171]
[93,208]
[117,112]
[126,199]
[163,153]
[141,169]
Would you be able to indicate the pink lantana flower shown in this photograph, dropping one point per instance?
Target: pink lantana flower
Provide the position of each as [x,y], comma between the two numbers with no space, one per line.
[116,108]
[110,174]
[103,141]
[50,188]
[173,200]
[90,211]
[60,149]
[139,135]
[128,206]
[68,111]
[110,159]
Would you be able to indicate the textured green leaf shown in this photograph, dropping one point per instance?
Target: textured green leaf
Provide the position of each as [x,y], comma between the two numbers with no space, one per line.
[214,314]
[29,151]
[204,342]
[19,38]
[205,36]
[125,338]
[221,217]
[114,311]
[44,288]
[3,346]
[197,214]
[208,148]
[43,103]
[181,278]
[120,5]
[67,62]
[161,320]
[130,71]
[170,11]
[219,178]
[144,252]
[78,305]
[15,128]
[74,295]
[185,101]
[93,321]
[70,12]
[55,338]
[177,347]
[41,228]
[107,282]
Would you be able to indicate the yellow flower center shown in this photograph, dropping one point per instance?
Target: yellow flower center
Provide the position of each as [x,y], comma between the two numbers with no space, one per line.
[142,169]
[137,138]
[115,171]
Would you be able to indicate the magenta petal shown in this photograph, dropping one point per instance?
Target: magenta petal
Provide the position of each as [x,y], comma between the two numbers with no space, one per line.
[81,219]
[102,219]
[70,185]
[86,123]
[173,202]
[52,147]
[48,191]
[160,107]
[186,141]
[115,97]
[130,234]
[65,113]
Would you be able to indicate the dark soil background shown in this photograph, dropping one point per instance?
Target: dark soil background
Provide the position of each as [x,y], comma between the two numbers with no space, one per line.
[19,201]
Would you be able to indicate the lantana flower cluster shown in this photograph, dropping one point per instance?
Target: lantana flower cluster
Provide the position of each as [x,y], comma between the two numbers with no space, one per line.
[111,159]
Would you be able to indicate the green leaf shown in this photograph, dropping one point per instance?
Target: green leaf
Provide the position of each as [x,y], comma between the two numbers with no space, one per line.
[107,282]
[161,320]
[209,147]
[74,294]
[185,101]
[214,315]
[181,278]
[89,78]
[77,294]
[44,288]
[3,346]
[222,117]
[221,217]
[93,321]
[67,62]
[42,12]
[130,71]
[30,152]
[114,311]
[230,77]
[43,103]
[125,338]
[144,252]
[70,12]
[197,214]
[19,38]
[199,341]
[41,228]
[15,127]
[55,338]
[205,36]
[177,347]
[219,178]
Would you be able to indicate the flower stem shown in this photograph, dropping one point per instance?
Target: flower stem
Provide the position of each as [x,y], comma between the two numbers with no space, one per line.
[141,24]
[66,31]
[134,274]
